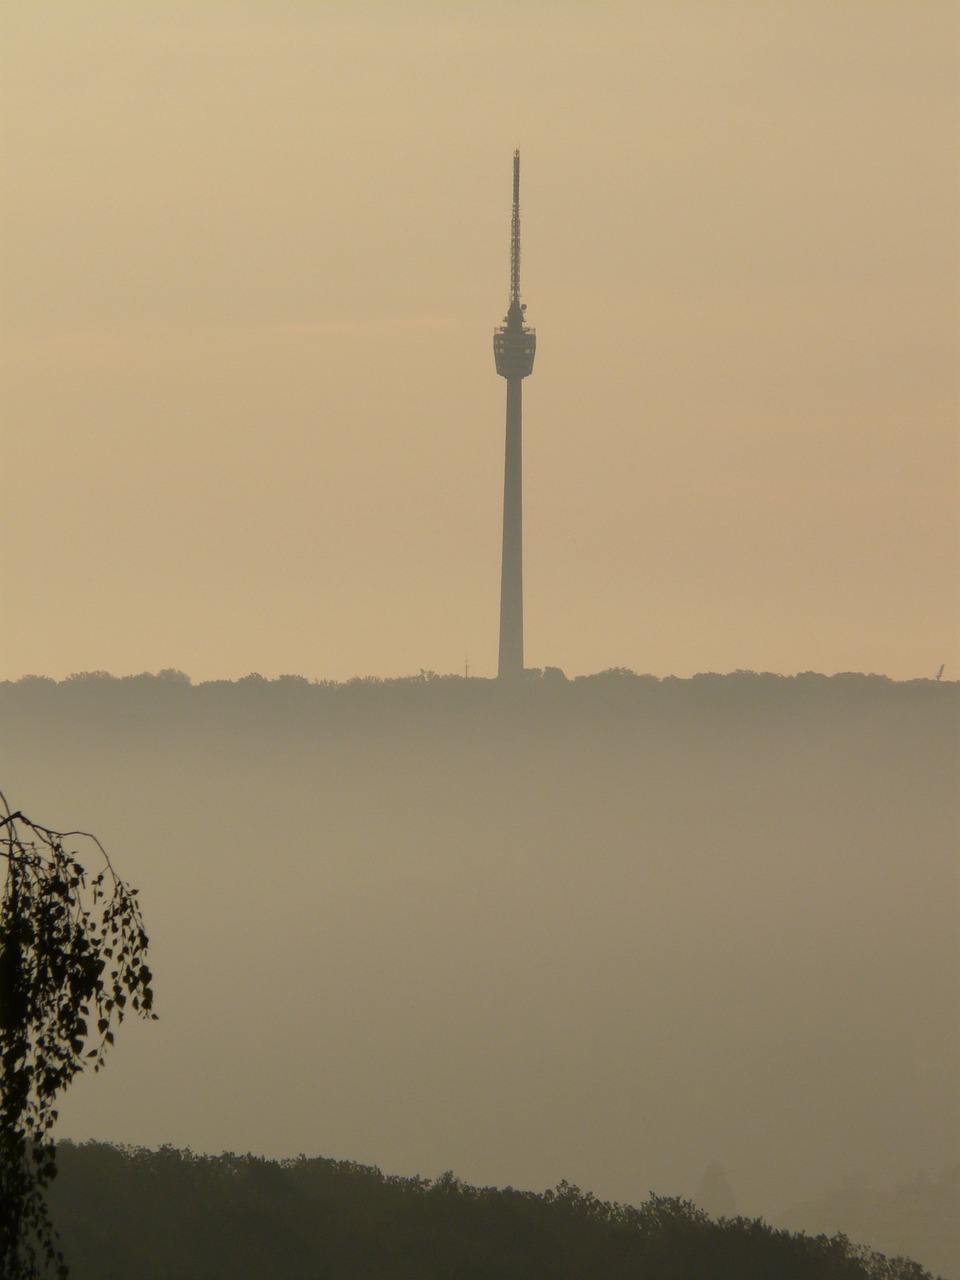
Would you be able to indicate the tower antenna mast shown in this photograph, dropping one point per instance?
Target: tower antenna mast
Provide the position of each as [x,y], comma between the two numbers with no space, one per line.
[514,348]
[515,233]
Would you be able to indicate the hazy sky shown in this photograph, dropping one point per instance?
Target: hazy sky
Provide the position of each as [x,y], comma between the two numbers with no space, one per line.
[253,255]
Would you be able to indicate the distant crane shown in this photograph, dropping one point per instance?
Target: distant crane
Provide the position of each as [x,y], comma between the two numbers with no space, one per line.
[514,348]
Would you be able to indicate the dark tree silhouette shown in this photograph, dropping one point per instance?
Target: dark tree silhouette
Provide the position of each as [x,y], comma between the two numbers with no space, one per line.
[149,1215]
[72,962]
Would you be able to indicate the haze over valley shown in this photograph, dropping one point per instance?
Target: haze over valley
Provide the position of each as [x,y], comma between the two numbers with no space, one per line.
[608,930]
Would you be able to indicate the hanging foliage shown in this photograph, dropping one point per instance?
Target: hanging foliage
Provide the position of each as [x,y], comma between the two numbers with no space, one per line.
[72,964]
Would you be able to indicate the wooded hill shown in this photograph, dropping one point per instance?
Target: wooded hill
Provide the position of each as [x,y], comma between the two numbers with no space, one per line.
[127,1214]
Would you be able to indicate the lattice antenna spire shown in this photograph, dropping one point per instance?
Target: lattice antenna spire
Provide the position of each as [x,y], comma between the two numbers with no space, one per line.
[515,233]
[515,343]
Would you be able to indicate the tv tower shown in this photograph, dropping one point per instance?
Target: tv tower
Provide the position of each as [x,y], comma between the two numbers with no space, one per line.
[514,347]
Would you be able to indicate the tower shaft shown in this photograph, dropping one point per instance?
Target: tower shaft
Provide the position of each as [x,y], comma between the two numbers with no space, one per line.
[511,569]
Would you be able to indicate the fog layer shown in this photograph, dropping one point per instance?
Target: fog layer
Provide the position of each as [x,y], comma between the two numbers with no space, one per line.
[608,930]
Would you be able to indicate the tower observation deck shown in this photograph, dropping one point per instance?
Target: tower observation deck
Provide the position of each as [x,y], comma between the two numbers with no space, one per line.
[514,348]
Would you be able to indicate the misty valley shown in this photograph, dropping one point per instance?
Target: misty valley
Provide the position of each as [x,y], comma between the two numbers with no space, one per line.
[603,933]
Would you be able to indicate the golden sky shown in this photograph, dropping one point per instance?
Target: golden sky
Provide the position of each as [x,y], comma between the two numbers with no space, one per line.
[253,255]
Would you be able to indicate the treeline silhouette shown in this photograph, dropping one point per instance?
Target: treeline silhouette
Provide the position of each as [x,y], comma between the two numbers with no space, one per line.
[630,688]
[133,1214]
[614,701]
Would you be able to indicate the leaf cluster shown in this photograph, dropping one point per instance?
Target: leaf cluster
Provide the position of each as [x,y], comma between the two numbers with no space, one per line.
[72,964]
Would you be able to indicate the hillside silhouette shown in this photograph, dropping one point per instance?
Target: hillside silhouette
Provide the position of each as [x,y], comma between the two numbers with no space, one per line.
[154,1215]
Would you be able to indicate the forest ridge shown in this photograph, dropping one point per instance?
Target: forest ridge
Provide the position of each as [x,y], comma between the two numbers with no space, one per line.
[153,1215]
